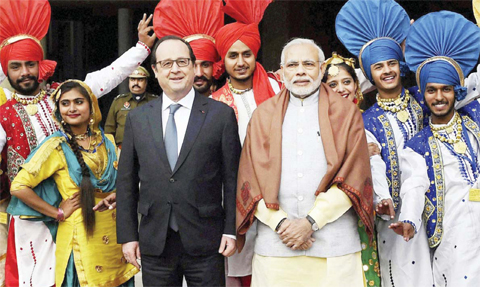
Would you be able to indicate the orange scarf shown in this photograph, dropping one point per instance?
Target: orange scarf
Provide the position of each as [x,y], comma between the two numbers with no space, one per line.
[345,145]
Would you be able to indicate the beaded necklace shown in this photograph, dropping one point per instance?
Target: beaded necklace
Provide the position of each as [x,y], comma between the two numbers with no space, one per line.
[469,157]
[458,145]
[236,91]
[31,104]
[399,107]
[242,95]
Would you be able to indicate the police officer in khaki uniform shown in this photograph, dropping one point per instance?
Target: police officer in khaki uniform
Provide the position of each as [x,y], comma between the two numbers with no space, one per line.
[124,103]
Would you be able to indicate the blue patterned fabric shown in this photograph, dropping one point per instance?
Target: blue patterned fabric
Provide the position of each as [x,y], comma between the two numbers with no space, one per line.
[376,122]
[425,145]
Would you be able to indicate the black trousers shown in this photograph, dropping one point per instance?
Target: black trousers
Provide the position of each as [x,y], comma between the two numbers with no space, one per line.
[169,268]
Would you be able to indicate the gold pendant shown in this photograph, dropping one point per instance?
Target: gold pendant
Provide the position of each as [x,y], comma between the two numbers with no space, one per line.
[403,116]
[449,130]
[31,109]
[460,147]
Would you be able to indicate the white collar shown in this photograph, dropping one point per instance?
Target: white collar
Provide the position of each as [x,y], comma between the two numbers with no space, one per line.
[310,100]
[186,102]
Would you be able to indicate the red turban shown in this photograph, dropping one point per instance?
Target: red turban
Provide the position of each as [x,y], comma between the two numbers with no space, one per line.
[205,50]
[249,14]
[229,34]
[23,24]
[197,24]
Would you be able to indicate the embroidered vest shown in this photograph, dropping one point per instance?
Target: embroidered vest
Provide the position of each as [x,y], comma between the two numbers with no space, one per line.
[425,144]
[376,122]
[225,96]
[21,137]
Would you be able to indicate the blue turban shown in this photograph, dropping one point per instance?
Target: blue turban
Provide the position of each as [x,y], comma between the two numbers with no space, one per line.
[442,72]
[446,39]
[383,24]
[382,49]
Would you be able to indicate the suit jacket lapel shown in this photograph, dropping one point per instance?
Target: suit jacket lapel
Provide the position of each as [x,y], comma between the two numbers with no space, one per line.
[195,123]
[155,120]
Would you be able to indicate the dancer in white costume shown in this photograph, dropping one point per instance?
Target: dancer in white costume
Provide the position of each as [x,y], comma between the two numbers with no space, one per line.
[448,148]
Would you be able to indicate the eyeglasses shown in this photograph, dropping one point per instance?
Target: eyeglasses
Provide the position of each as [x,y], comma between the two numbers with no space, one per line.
[168,64]
[307,65]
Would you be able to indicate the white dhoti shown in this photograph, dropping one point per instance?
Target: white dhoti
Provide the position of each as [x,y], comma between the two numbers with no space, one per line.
[403,264]
[35,251]
[455,259]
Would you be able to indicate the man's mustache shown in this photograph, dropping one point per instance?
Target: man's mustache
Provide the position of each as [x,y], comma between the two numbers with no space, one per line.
[135,86]
[200,78]
[22,79]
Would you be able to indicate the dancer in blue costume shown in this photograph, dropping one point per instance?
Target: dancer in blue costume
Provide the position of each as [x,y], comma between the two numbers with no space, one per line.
[442,47]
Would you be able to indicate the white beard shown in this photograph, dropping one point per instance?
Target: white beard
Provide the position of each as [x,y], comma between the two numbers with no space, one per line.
[303,92]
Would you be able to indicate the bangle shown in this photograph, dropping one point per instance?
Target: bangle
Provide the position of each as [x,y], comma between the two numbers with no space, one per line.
[411,223]
[280,224]
[60,215]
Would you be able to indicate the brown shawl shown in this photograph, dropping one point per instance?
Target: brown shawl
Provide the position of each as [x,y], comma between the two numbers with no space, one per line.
[345,145]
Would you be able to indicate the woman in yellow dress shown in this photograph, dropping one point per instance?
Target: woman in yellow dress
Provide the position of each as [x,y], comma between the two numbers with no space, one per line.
[82,162]
[339,74]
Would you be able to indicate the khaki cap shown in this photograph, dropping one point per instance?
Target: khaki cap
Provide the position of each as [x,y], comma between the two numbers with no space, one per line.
[140,72]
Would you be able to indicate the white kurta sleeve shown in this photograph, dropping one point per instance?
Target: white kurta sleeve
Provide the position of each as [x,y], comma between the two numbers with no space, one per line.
[103,81]
[472,82]
[3,138]
[379,173]
[414,185]
[2,75]
[365,85]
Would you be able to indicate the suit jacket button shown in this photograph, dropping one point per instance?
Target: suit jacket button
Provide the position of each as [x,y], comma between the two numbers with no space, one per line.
[172,180]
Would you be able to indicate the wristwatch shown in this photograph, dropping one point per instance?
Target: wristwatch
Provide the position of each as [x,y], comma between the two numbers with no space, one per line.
[313,223]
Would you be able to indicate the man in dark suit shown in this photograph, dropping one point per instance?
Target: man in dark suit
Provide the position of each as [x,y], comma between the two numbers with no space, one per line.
[182,149]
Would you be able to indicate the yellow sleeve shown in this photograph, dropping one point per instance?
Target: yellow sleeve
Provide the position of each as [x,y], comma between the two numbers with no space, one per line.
[476,11]
[25,178]
[329,206]
[269,216]
[3,97]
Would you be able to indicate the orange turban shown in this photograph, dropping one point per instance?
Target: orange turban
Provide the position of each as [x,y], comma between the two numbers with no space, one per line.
[23,25]
[248,14]
[196,22]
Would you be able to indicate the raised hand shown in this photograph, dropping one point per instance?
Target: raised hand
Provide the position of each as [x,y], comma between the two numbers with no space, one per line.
[144,30]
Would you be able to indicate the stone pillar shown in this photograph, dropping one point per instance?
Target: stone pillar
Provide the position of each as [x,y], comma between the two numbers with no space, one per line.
[274,32]
[124,39]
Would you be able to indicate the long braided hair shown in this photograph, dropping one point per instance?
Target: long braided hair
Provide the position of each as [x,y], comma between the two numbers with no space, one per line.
[87,200]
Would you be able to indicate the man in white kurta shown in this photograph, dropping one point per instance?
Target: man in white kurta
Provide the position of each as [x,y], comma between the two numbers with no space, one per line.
[455,258]
[444,201]
[309,238]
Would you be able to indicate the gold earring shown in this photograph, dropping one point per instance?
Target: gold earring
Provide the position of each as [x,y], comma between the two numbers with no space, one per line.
[62,122]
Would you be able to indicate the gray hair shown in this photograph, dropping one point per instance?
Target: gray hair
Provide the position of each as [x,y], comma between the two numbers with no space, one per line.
[297,41]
